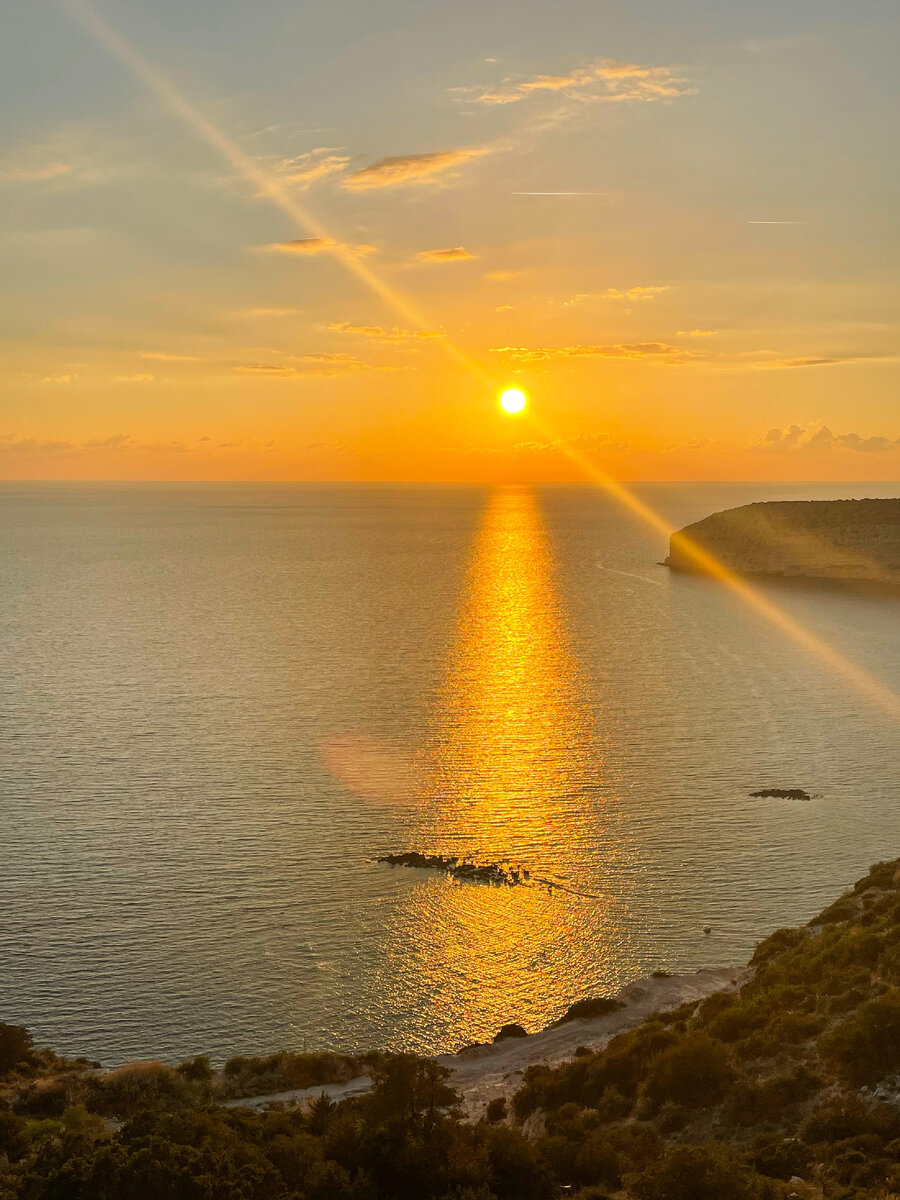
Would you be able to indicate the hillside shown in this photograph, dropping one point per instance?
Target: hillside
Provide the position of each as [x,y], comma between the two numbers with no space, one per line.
[789,1086]
[811,539]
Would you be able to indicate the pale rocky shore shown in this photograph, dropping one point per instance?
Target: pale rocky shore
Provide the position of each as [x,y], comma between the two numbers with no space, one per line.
[481,1073]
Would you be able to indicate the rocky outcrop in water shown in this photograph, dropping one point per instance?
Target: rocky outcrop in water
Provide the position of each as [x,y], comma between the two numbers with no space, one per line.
[781,794]
[459,868]
[801,539]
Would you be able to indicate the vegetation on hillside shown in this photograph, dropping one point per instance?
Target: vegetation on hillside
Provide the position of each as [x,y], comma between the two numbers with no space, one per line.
[790,1087]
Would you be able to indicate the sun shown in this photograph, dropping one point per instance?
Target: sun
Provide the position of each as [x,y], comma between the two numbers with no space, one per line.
[513,401]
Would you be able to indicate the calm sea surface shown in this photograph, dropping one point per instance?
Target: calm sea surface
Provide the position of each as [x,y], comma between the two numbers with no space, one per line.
[219,703]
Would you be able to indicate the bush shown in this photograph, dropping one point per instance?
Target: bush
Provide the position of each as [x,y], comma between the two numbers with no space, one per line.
[139,1087]
[866,1046]
[16,1047]
[695,1072]
[589,1010]
[496,1110]
[709,1172]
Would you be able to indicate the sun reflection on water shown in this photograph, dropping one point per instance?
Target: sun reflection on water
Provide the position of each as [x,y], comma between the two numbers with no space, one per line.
[514,772]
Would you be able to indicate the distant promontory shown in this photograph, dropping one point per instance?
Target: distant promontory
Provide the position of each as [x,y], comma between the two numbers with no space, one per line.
[801,539]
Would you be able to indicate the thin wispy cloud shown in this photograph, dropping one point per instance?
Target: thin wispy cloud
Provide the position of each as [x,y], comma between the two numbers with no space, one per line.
[307,169]
[776,222]
[268,312]
[635,293]
[445,255]
[305,365]
[310,246]
[138,378]
[379,334]
[604,80]
[405,170]
[168,356]
[37,173]
[58,379]
[560,193]
[653,351]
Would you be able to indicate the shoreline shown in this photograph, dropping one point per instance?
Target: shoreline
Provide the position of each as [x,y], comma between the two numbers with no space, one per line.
[482,1072]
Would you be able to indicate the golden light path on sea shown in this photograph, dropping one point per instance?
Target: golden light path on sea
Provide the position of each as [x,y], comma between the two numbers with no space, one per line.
[515,758]
[272,189]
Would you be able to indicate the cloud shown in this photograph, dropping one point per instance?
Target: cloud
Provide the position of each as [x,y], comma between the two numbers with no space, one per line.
[503,276]
[697,333]
[778,364]
[13,445]
[405,170]
[133,378]
[629,294]
[311,364]
[306,169]
[820,438]
[602,80]
[634,293]
[377,333]
[317,245]
[448,254]
[58,379]
[165,356]
[653,351]
[268,312]
[37,173]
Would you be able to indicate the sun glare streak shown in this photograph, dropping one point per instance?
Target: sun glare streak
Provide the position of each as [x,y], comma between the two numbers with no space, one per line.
[706,563]
[264,183]
[172,98]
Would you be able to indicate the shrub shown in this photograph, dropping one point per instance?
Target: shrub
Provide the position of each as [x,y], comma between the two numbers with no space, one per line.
[695,1072]
[589,1010]
[496,1110]
[15,1047]
[709,1172]
[143,1086]
[866,1046]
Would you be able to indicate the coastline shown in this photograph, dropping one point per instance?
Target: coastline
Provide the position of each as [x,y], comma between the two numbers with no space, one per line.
[483,1072]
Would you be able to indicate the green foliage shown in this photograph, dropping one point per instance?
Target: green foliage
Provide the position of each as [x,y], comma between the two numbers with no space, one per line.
[284,1071]
[727,1099]
[695,1071]
[588,1010]
[15,1047]
[866,1045]
[703,1172]
[196,1070]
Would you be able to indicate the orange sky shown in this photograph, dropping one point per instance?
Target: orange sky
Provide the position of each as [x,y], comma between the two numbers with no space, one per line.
[217,268]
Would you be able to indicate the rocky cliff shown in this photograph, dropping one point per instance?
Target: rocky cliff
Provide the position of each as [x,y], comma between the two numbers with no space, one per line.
[813,539]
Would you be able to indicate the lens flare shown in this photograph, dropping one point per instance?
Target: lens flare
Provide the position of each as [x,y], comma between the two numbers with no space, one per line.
[513,401]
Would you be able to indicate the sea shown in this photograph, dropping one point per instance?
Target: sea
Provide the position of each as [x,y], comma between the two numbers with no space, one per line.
[221,703]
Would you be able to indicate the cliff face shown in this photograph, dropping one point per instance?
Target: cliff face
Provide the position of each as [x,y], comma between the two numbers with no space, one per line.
[813,539]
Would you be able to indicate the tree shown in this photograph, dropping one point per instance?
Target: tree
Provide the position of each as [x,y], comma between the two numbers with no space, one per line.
[15,1046]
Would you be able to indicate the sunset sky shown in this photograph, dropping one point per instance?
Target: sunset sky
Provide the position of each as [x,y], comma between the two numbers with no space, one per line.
[313,240]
